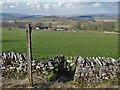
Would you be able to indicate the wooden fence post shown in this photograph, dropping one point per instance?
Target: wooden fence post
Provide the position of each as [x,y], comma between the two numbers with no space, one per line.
[29,55]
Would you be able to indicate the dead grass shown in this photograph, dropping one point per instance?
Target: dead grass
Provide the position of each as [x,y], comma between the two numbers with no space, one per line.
[40,82]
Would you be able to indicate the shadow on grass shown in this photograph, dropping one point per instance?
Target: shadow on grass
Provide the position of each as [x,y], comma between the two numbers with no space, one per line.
[43,85]
[9,41]
[36,85]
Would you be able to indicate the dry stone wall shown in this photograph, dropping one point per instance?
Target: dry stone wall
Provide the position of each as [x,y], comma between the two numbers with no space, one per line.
[88,69]
[96,69]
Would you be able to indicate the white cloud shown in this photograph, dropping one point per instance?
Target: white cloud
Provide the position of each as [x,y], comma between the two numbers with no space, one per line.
[13,5]
[79,0]
[10,4]
[46,6]
[1,3]
[71,6]
[96,4]
[90,0]
[33,5]
[11,1]
[38,6]
[59,4]
[62,8]
[28,3]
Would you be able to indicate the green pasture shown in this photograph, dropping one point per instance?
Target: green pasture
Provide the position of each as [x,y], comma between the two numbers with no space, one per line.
[47,44]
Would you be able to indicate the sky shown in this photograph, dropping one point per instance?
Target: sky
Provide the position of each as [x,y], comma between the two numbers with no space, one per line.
[59,7]
[62,0]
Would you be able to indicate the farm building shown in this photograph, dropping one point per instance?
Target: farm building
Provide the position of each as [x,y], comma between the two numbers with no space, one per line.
[42,28]
[61,29]
[37,28]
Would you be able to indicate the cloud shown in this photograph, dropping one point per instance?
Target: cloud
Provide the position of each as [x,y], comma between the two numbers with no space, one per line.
[11,1]
[58,5]
[33,5]
[71,6]
[96,4]
[38,5]
[62,8]
[79,0]
[1,2]
[10,4]
[91,0]
[47,6]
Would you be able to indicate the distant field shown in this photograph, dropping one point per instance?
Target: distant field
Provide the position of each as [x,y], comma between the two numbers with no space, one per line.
[46,44]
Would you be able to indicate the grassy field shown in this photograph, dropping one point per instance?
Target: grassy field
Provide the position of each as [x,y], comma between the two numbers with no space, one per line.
[46,44]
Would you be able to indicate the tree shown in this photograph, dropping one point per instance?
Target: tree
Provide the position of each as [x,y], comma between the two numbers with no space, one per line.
[50,25]
[39,24]
[77,25]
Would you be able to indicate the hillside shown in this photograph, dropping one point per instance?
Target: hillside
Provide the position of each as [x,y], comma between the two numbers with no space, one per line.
[11,16]
[17,16]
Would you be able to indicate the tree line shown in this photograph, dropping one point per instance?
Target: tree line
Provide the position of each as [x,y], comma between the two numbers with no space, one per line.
[97,26]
